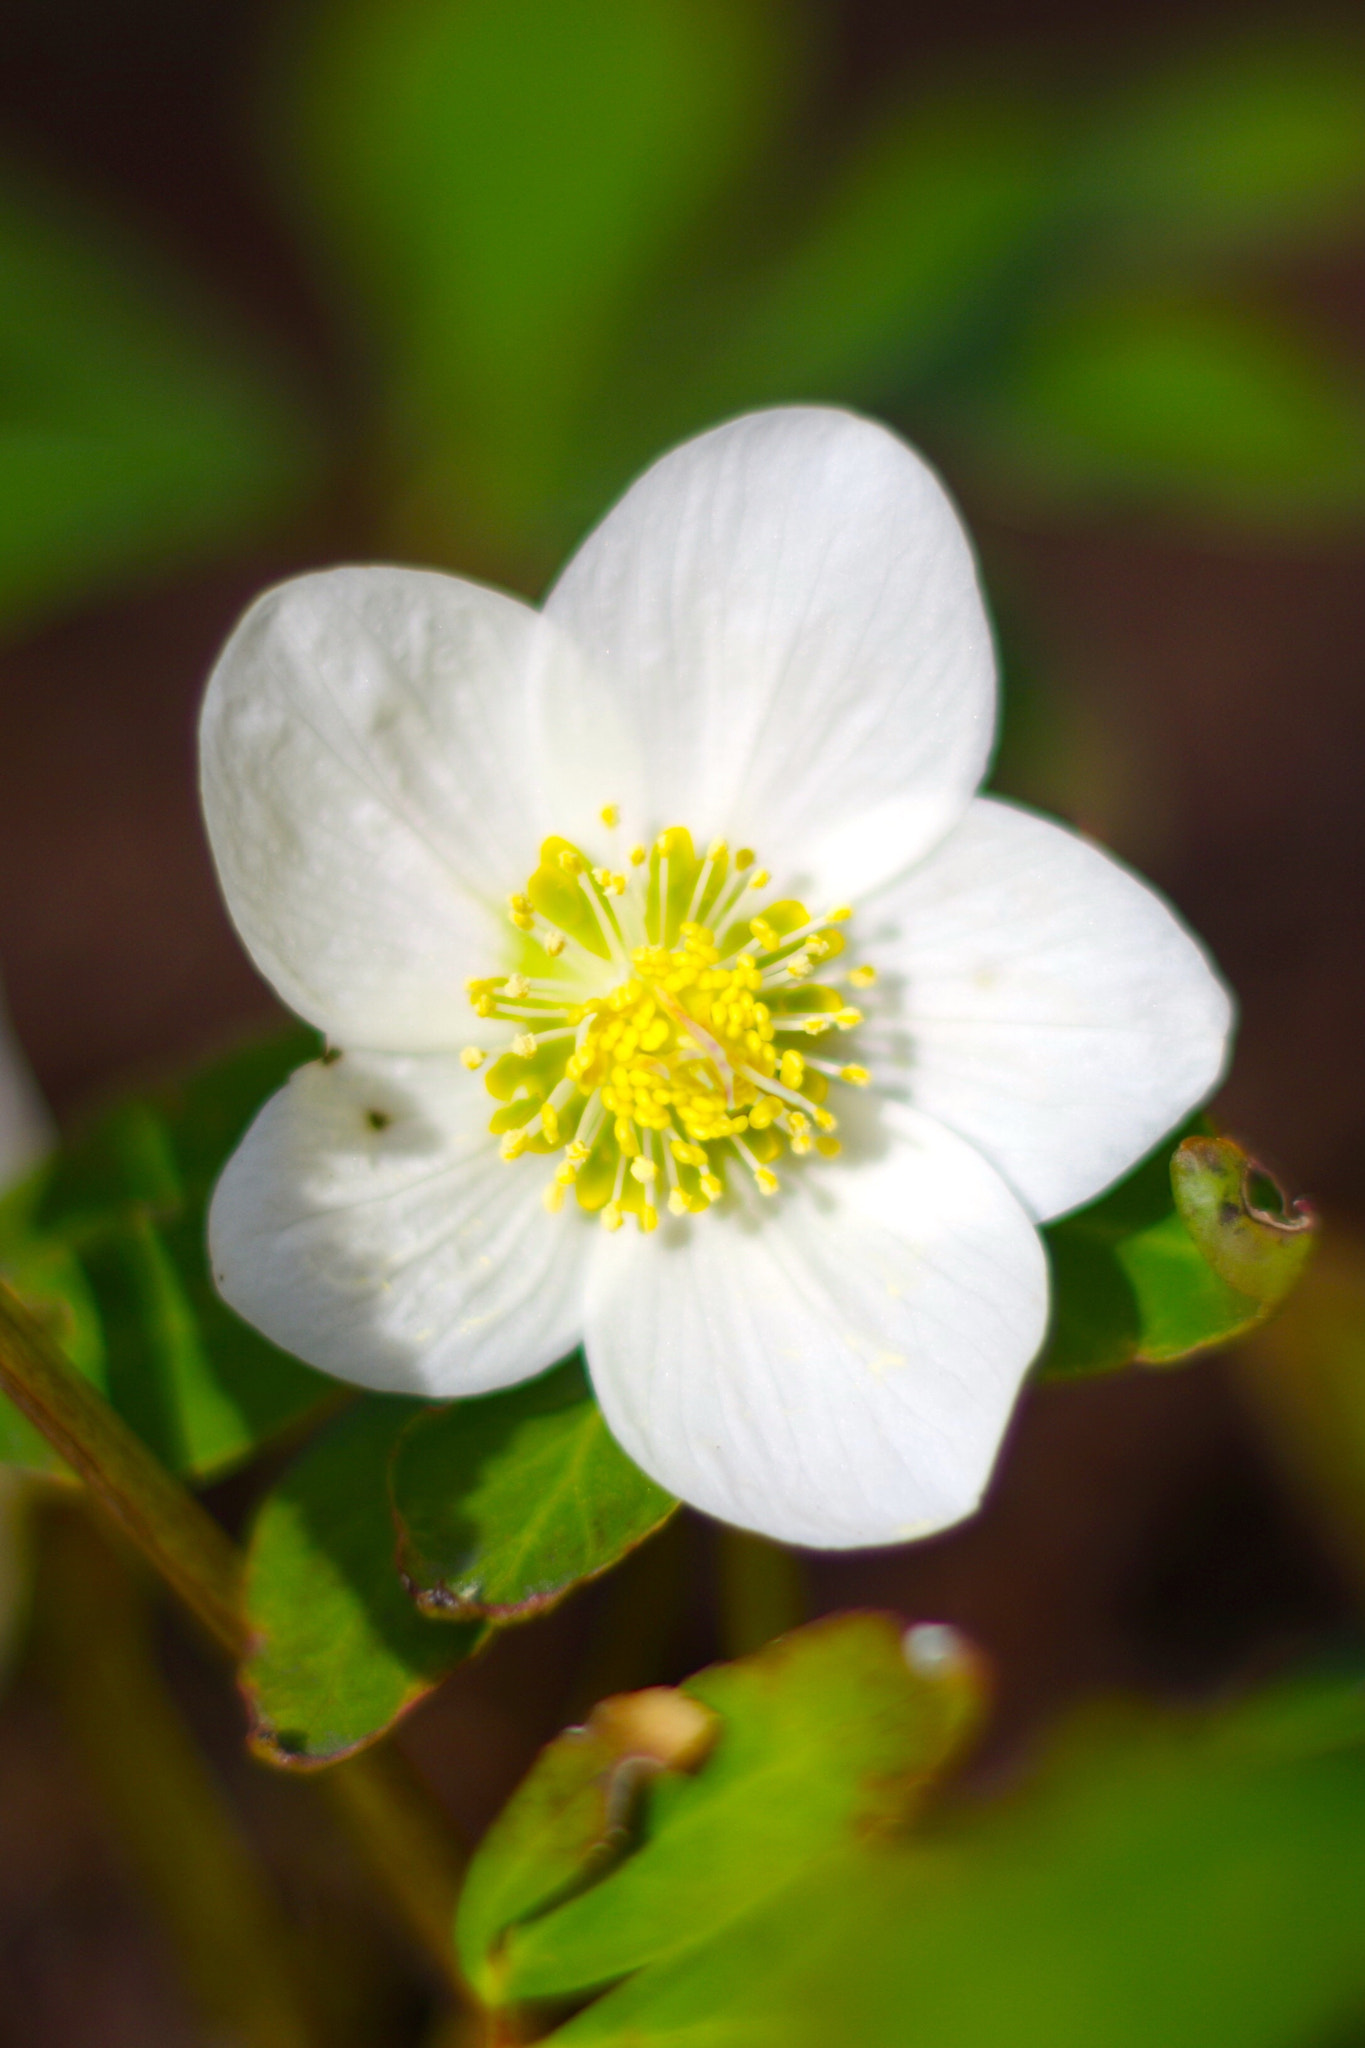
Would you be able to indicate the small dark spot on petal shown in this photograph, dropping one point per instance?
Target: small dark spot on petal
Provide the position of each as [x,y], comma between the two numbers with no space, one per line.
[378,1119]
[331,1056]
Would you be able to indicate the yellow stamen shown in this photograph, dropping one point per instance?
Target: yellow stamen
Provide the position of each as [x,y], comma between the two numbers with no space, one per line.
[472,1057]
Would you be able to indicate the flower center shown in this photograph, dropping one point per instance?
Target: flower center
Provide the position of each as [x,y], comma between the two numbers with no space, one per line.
[663,1027]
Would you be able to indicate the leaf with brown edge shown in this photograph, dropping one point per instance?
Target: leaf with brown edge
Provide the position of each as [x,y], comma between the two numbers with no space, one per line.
[340,1652]
[506,1502]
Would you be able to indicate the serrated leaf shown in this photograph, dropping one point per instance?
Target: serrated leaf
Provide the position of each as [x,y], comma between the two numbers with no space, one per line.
[507,1502]
[1188,1879]
[134,431]
[500,184]
[1130,1282]
[107,1243]
[1189,405]
[826,1735]
[341,1652]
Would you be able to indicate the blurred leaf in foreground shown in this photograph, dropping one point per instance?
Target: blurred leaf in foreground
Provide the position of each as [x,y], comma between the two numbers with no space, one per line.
[501,183]
[136,429]
[1199,408]
[1191,1879]
[826,1737]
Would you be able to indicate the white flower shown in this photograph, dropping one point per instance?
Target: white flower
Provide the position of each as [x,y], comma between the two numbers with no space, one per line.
[774,642]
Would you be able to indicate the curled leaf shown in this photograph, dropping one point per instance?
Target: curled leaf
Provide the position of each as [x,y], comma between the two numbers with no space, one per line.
[1250,1235]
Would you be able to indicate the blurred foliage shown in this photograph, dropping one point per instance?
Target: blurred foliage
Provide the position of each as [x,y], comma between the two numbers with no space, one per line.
[581,231]
[1183,1878]
[106,1244]
[137,429]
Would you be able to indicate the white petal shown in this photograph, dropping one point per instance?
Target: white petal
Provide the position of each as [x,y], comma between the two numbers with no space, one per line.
[374,791]
[410,1258]
[837,1371]
[1051,1007]
[789,609]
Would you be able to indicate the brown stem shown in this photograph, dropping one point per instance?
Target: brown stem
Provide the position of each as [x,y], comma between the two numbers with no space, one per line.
[178,1537]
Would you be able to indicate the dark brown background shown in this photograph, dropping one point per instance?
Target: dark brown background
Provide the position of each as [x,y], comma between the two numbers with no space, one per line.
[1134,1534]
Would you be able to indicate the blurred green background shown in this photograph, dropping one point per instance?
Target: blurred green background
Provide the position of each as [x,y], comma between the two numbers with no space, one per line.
[286,284]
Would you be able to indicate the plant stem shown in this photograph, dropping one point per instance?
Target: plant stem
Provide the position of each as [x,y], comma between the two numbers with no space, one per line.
[94,1649]
[405,1847]
[178,1537]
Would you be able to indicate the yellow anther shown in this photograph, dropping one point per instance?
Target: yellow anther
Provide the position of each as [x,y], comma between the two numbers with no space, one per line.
[472,1057]
[862,977]
[792,1071]
[553,1195]
[524,1045]
[717,850]
[828,1148]
[765,1181]
[764,1112]
[847,1019]
[759,879]
[521,904]
[516,986]
[554,945]
[571,862]
[825,1120]
[610,815]
[523,920]
[513,1144]
[549,1123]
[638,856]
[857,1077]
[677,1203]
[575,1153]
[744,858]
[839,914]
[813,1026]
[643,1170]
[649,1217]
[565,1174]
[602,877]
[799,966]
[763,932]
[712,1186]
[613,1216]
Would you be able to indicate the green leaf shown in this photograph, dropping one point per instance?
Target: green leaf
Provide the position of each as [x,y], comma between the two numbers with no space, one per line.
[500,185]
[1191,406]
[1220,1193]
[136,429]
[1131,1283]
[106,1243]
[1251,141]
[573,1816]
[505,1503]
[1193,1880]
[827,1736]
[341,1650]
